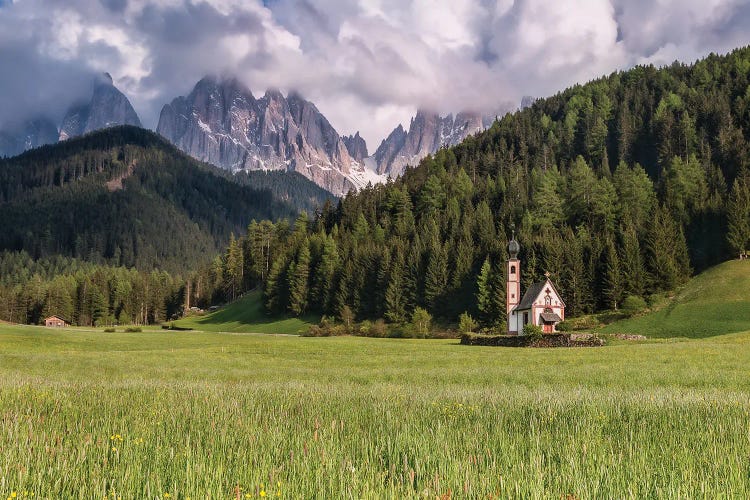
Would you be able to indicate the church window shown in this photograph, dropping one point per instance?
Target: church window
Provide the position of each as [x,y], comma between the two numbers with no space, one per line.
[512,269]
[525,318]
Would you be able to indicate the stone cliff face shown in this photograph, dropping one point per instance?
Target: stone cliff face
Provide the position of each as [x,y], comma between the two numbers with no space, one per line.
[222,123]
[108,107]
[427,133]
[31,134]
[356,146]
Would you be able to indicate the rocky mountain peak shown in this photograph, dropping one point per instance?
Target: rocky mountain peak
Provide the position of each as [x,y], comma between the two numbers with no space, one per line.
[220,122]
[527,101]
[356,146]
[17,138]
[108,107]
[428,132]
[103,79]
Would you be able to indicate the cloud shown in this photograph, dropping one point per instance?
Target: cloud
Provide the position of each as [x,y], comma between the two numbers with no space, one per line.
[367,64]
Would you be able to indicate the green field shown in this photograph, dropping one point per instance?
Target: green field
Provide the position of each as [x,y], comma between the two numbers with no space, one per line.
[247,315]
[715,302]
[198,415]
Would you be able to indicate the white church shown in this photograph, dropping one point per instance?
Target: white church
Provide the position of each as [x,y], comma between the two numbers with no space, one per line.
[541,305]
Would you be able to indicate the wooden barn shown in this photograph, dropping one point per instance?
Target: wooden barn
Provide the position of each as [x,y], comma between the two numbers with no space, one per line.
[55,322]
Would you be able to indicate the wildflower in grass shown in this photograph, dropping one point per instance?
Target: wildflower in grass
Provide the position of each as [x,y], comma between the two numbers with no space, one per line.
[262,493]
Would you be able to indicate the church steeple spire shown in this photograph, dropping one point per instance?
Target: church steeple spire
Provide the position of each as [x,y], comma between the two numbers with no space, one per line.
[513,284]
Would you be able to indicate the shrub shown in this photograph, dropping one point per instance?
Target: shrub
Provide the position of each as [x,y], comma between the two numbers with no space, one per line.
[326,328]
[466,324]
[534,332]
[588,322]
[106,320]
[124,318]
[633,305]
[564,326]
[364,328]
[133,329]
[370,329]
[109,330]
[421,323]
[347,318]
[379,329]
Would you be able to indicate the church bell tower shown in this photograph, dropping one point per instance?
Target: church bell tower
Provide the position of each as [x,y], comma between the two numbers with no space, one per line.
[513,286]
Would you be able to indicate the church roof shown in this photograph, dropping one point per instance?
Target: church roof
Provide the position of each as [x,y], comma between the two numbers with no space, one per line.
[551,317]
[533,292]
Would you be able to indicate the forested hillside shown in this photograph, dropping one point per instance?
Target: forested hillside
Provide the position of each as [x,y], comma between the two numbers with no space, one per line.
[123,196]
[85,293]
[623,186]
[103,229]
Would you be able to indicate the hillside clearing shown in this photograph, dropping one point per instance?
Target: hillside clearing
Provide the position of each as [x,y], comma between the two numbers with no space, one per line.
[715,302]
[247,315]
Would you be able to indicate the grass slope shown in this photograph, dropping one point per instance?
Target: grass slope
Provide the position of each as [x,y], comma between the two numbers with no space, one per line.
[715,302]
[247,315]
[196,415]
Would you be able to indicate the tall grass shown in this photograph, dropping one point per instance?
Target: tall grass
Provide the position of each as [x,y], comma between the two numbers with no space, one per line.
[190,415]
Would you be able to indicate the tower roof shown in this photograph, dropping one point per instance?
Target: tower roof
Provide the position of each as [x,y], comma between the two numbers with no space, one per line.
[513,247]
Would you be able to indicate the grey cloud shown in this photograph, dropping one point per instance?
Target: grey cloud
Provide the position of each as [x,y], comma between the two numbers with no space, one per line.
[38,86]
[115,5]
[365,67]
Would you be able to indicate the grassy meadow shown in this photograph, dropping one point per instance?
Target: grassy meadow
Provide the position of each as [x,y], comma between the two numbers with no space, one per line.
[221,415]
[247,315]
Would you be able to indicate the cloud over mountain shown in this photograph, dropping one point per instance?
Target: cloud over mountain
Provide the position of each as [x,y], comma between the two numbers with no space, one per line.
[367,64]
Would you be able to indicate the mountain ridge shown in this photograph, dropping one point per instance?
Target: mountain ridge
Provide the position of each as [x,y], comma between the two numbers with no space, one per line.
[164,210]
[107,107]
[428,132]
[221,122]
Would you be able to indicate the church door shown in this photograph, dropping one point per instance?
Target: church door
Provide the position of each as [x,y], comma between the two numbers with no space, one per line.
[548,328]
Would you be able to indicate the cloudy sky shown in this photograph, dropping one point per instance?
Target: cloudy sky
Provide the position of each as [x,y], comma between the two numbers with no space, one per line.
[367,64]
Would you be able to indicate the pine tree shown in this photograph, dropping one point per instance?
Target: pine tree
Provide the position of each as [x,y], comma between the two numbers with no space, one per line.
[685,189]
[233,268]
[666,251]
[613,279]
[738,216]
[497,286]
[436,275]
[462,262]
[324,273]
[395,302]
[633,271]
[484,292]
[275,291]
[582,183]
[547,211]
[299,273]
[635,194]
